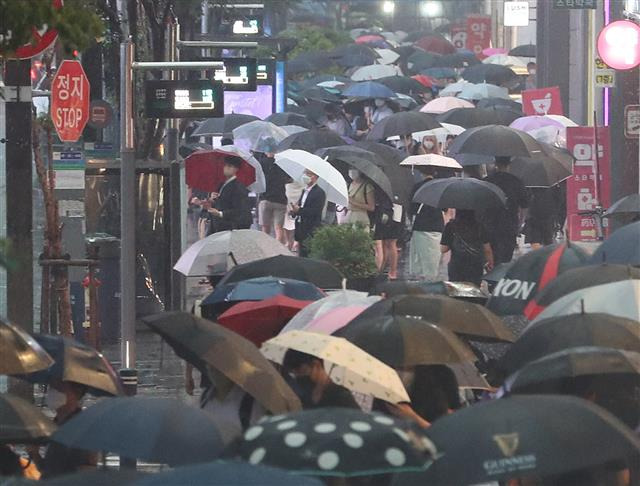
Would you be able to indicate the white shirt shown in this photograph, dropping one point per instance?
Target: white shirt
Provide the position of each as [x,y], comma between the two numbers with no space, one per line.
[305,193]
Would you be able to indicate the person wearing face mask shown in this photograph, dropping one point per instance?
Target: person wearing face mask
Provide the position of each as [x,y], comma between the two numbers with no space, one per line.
[308,210]
[380,112]
[312,384]
[531,82]
[429,145]
[230,208]
[361,200]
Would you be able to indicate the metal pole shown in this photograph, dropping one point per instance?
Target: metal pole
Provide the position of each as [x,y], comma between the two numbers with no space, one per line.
[206,43]
[140,66]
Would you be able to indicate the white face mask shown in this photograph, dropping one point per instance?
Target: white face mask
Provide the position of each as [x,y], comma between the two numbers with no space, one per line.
[54,399]
[305,179]
[532,72]
[354,174]
[428,144]
[379,103]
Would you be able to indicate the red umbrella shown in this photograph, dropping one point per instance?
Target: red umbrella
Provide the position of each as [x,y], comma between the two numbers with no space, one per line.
[424,80]
[259,321]
[437,44]
[369,38]
[203,169]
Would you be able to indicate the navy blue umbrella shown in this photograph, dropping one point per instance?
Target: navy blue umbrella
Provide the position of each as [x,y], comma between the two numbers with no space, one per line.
[368,89]
[623,246]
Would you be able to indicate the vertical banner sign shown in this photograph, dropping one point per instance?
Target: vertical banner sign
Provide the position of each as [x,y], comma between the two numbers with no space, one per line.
[458,35]
[582,193]
[543,101]
[70,100]
[478,33]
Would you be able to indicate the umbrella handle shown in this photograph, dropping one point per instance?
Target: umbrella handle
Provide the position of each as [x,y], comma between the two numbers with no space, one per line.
[233,259]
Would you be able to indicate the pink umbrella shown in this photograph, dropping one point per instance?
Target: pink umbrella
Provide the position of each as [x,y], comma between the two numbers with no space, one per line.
[369,39]
[446,103]
[335,319]
[490,51]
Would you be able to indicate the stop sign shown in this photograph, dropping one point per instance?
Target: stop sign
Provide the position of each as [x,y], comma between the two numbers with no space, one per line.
[70,100]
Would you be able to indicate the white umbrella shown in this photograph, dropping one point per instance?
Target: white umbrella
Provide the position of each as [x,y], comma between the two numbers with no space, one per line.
[375,71]
[387,56]
[620,299]
[219,252]
[440,133]
[505,60]
[433,160]
[454,88]
[259,136]
[295,162]
[346,364]
[483,90]
[330,84]
[551,135]
[445,103]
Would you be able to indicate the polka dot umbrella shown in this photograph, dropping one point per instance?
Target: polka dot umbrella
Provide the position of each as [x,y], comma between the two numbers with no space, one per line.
[337,442]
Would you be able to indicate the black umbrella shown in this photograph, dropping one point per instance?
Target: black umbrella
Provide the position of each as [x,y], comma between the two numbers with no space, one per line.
[530,274]
[402,84]
[311,140]
[579,278]
[403,342]
[623,246]
[454,192]
[286,118]
[402,123]
[227,473]
[225,124]
[309,62]
[321,78]
[354,60]
[495,140]
[477,117]
[318,272]
[525,50]
[420,60]
[187,149]
[490,73]
[457,60]
[500,102]
[523,436]
[464,318]
[552,166]
[203,343]
[387,153]
[314,111]
[22,422]
[550,372]
[19,352]
[627,206]
[337,442]
[77,363]
[320,94]
[165,430]
[557,333]
[458,290]
[353,50]
[96,477]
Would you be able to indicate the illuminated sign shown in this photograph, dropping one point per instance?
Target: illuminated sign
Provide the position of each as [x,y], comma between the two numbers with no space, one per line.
[265,71]
[237,74]
[200,98]
[239,24]
[619,44]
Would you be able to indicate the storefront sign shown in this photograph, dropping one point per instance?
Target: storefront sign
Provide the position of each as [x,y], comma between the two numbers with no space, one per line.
[542,101]
[478,33]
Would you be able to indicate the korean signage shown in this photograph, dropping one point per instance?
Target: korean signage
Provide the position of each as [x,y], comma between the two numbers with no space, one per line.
[632,121]
[516,14]
[583,194]
[458,35]
[604,77]
[198,98]
[578,4]
[70,100]
[542,101]
[478,33]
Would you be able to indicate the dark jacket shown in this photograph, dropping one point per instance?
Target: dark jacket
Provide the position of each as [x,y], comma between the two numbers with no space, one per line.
[310,216]
[426,218]
[233,201]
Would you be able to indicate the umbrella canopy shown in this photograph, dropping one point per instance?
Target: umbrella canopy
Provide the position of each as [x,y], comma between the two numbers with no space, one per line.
[368,89]
[457,60]
[570,363]
[534,122]
[420,60]
[465,318]
[403,342]
[21,422]
[354,50]
[569,331]
[531,273]
[220,252]
[259,136]
[504,60]
[311,140]
[402,84]
[501,102]
[623,246]
[476,117]
[552,166]
[524,436]
[94,476]
[525,50]
[259,321]
[204,169]
[321,94]
[489,73]
[335,300]
[346,364]
[402,123]
[476,92]
[356,60]
[446,103]
[454,192]
[78,363]
[578,278]
[432,160]
[286,118]
[454,88]
[225,124]
[203,343]
[385,152]
[620,299]
[334,319]
[165,430]
[227,473]
[369,39]
[318,272]
[436,43]
[291,129]
[628,205]
[375,71]
[387,56]
[20,352]
[337,442]
[495,140]
[308,62]
[458,290]
[295,162]
[439,72]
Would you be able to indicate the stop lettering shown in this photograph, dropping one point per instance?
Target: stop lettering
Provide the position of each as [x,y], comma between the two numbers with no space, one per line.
[70,101]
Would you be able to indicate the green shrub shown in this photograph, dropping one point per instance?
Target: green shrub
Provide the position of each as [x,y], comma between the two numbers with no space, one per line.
[349,248]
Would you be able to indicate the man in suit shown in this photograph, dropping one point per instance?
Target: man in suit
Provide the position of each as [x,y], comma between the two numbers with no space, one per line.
[231,208]
[308,211]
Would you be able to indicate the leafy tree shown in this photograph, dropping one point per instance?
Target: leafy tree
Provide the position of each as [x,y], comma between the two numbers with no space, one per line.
[315,39]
